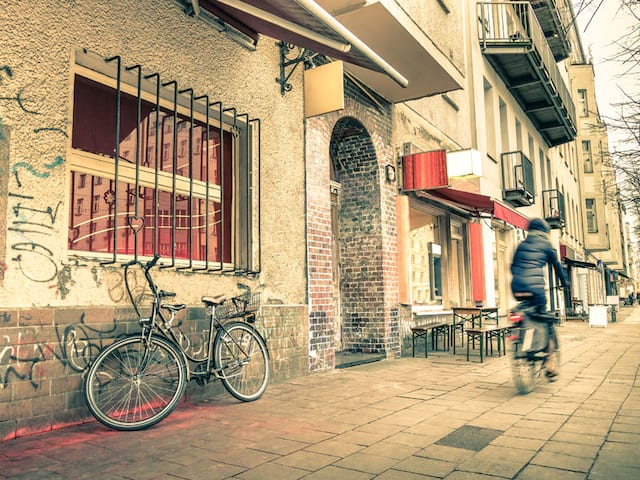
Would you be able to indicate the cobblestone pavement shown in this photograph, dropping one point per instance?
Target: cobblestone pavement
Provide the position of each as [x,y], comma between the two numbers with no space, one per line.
[404,419]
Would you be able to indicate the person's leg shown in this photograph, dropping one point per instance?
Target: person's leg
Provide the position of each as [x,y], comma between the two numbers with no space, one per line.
[541,306]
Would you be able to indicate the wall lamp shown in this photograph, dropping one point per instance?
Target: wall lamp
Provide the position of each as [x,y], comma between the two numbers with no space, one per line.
[390,173]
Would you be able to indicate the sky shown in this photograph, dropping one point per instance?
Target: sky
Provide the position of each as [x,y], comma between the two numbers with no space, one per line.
[599,29]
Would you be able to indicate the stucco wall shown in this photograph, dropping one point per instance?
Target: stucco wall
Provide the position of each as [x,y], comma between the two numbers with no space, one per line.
[38,40]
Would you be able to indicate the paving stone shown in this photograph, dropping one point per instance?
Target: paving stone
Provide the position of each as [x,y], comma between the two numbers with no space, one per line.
[389,449]
[574,449]
[335,447]
[334,473]
[448,454]
[242,457]
[491,466]
[470,437]
[579,438]
[363,462]
[624,437]
[620,454]
[500,421]
[515,442]
[425,466]
[528,433]
[458,475]
[413,439]
[507,454]
[625,427]
[562,461]
[307,460]
[272,470]
[536,472]
[607,471]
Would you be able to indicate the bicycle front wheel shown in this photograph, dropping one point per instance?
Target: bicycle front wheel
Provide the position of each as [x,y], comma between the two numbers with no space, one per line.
[242,361]
[134,384]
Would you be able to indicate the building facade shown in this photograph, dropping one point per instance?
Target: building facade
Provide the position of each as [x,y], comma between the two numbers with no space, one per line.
[378,182]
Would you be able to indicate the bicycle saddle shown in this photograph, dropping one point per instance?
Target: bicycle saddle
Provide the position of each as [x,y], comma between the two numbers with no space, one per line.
[173,308]
[522,295]
[211,301]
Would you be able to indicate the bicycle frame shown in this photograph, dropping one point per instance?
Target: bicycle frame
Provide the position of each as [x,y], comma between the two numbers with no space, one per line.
[164,325]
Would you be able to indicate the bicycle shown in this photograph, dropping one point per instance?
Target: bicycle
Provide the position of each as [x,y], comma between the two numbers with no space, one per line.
[531,336]
[138,380]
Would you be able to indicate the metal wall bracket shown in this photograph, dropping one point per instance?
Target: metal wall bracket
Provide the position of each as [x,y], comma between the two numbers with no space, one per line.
[288,60]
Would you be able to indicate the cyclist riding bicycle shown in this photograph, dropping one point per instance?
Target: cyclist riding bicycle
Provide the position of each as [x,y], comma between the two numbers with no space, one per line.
[528,269]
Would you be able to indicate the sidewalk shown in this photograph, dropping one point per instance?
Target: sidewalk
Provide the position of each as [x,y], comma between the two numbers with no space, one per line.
[405,419]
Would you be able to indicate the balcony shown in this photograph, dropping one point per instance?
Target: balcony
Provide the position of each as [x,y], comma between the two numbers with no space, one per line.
[548,15]
[515,45]
[517,179]
[553,208]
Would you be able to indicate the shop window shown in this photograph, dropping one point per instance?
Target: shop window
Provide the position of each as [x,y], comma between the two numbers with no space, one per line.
[435,267]
[426,260]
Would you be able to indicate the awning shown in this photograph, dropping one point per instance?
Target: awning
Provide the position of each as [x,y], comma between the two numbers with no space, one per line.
[381,45]
[480,205]
[579,264]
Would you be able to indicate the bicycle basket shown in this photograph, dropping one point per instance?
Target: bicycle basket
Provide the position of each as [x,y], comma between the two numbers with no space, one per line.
[238,306]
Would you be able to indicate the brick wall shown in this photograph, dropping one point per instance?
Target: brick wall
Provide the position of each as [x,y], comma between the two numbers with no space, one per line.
[46,350]
[358,142]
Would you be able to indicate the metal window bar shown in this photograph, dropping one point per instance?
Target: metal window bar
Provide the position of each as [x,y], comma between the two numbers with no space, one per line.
[220,237]
[247,220]
[206,194]
[118,61]
[255,269]
[234,136]
[190,205]
[156,198]
[247,179]
[137,156]
[174,157]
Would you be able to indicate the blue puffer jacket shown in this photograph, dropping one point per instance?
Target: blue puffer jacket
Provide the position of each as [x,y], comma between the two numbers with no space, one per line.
[528,266]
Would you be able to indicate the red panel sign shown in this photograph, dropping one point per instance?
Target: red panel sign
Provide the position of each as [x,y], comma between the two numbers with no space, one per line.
[476,245]
[425,171]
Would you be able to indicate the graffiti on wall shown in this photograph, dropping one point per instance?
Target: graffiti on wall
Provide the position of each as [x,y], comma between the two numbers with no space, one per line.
[24,355]
[32,219]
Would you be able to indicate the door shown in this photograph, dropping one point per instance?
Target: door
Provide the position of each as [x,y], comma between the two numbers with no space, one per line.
[336,190]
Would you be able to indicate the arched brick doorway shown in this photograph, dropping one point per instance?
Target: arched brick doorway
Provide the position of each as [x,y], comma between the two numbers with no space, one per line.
[357,250]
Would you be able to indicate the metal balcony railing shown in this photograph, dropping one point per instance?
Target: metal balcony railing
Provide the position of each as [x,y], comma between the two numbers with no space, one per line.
[552,24]
[517,179]
[553,208]
[510,31]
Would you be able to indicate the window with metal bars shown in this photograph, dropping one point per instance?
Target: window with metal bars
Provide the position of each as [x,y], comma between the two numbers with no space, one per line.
[163,170]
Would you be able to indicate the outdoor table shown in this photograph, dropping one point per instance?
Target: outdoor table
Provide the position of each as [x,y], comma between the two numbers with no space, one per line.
[471,317]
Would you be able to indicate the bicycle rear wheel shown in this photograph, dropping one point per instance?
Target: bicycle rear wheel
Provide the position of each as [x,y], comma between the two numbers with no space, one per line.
[523,371]
[240,355]
[134,384]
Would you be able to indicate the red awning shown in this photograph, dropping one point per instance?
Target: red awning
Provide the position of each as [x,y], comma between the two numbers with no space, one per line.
[478,204]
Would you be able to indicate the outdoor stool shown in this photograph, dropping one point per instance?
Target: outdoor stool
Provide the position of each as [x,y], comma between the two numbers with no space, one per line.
[485,336]
[436,330]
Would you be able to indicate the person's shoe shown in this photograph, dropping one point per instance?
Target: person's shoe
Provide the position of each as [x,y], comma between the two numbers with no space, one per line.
[551,375]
